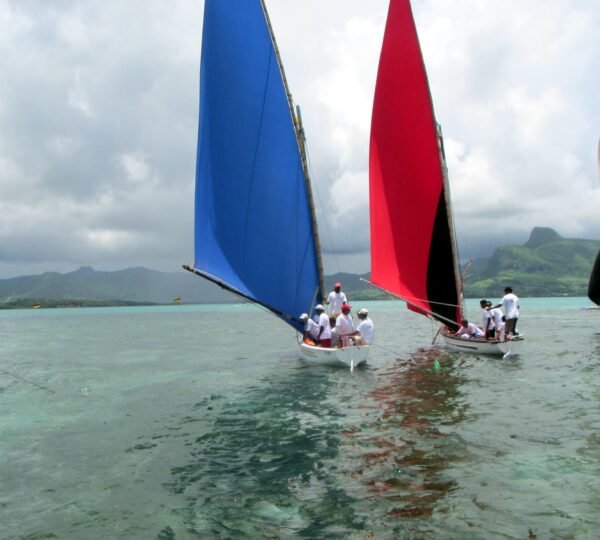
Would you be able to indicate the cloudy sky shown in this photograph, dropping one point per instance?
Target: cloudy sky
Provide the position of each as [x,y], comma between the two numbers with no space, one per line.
[99,104]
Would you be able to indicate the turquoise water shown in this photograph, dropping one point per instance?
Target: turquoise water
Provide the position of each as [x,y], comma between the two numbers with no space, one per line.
[200,422]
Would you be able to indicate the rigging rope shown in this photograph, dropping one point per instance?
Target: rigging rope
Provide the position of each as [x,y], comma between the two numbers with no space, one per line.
[28,381]
[410,298]
[316,188]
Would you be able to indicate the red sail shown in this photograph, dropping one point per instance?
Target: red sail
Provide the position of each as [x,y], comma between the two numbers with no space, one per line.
[412,248]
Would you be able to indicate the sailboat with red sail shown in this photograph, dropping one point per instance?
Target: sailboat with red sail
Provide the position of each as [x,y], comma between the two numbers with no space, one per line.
[414,254]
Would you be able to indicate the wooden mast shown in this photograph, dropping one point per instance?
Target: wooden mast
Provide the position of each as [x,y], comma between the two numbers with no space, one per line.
[301,139]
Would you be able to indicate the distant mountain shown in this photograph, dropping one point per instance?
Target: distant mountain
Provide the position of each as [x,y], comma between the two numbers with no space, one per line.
[87,286]
[540,236]
[131,285]
[546,265]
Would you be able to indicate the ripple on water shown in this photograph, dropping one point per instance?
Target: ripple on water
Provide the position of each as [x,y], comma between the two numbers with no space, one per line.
[178,440]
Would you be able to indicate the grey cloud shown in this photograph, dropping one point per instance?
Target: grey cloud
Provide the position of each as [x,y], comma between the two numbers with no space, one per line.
[87,83]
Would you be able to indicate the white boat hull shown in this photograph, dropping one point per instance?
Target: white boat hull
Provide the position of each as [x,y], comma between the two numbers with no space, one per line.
[350,357]
[482,346]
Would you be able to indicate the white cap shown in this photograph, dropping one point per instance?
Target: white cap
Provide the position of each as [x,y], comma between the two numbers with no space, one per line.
[362,311]
[303,317]
[319,307]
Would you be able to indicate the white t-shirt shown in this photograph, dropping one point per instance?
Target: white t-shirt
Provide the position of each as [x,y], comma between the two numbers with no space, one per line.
[367,332]
[324,322]
[497,316]
[500,330]
[335,339]
[488,320]
[471,330]
[312,328]
[345,325]
[510,306]
[336,301]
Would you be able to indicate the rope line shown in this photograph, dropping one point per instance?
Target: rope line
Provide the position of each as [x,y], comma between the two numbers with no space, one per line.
[28,381]
[323,209]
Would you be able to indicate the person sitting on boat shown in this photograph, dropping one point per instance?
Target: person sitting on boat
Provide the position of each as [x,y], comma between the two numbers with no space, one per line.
[336,299]
[365,327]
[324,337]
[469,330]
[510,306]
[311,330]
[489,325]
[345,325]
[335,339]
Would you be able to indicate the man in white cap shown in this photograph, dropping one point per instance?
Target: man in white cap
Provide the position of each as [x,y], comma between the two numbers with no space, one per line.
[336,299]
[365,327]
[324,337]
[311,329]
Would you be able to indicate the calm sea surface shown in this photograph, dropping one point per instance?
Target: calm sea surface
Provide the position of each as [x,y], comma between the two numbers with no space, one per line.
[201,422]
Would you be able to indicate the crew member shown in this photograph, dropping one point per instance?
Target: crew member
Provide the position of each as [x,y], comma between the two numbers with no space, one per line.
[336,299]
[365,327]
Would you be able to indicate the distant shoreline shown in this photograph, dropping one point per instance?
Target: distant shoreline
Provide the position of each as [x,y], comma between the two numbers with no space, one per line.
[41,303]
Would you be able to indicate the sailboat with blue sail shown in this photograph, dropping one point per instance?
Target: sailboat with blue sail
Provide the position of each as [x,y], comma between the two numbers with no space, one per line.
[255,228]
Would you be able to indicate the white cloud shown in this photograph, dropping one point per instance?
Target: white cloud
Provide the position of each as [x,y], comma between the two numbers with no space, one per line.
[73,32]
[109,239]
[98,122]
[513,86]
[135,166]
[78,98]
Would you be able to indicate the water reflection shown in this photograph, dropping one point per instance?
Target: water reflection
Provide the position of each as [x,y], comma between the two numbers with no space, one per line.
[319,453]
[262,468]
[404,457]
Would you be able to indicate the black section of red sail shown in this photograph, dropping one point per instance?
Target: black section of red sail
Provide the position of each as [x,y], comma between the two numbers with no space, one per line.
[441,280]
[594,285]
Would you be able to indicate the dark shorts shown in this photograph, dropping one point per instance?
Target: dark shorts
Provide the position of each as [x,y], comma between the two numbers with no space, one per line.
[511,326]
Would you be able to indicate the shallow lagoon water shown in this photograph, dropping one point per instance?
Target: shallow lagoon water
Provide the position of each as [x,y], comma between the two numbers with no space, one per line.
[201,422]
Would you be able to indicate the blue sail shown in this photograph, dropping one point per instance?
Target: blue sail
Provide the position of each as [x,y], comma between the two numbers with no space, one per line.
[254,227]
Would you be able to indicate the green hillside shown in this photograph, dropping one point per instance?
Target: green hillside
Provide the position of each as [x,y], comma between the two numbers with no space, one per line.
[137,285]
[546,265]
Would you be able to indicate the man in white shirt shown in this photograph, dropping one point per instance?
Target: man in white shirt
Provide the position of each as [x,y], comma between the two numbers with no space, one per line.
[324,337]
[335,339]
[510,307]
[311,329]
[344,325]
[469,330]
[497,316]
[489,325]
[336,299]
[365,327]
